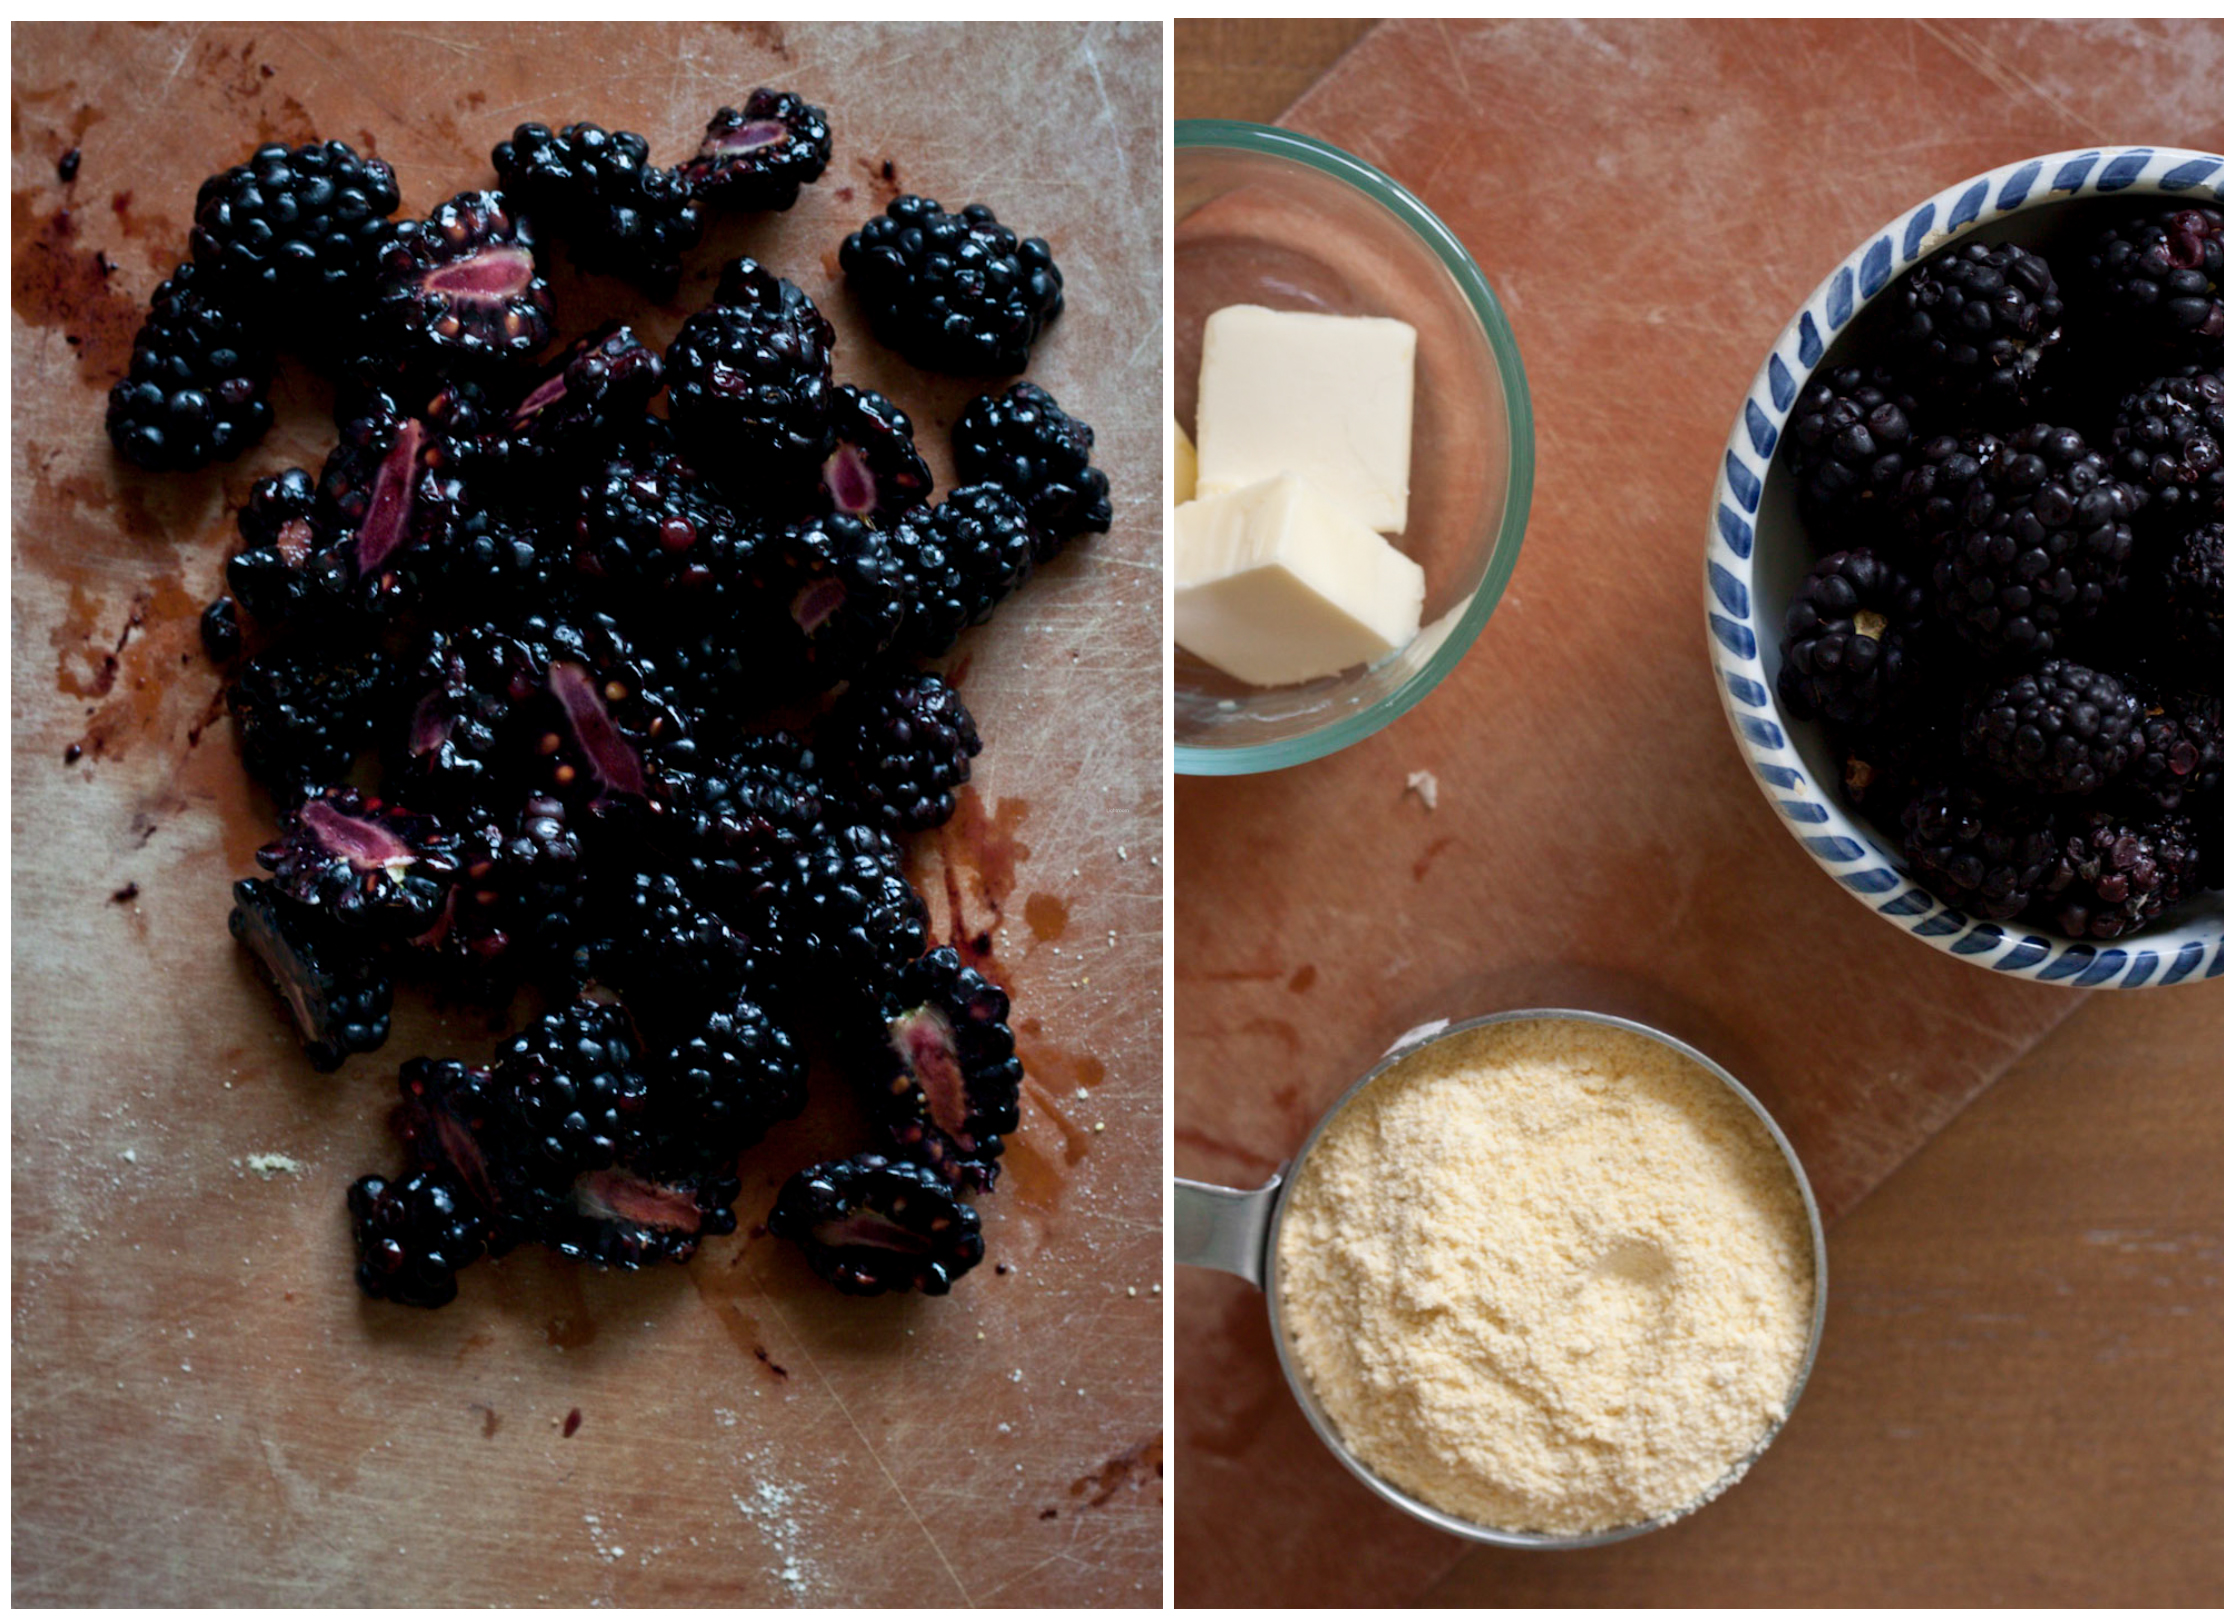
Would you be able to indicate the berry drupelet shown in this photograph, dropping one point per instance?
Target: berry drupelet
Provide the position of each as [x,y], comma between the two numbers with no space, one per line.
[195,392]
[958,293]
[1023,442]
[1853,638]
[868,1225]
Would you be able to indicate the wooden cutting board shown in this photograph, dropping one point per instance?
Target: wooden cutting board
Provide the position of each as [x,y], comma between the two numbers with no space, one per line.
[204,1410]
[1650,202]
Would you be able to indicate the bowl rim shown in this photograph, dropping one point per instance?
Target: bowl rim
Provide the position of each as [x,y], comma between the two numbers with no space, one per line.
[1219,134]
[1844,847]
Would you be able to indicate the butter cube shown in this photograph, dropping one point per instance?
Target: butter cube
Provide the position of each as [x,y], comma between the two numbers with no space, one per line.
[1275,583]
[1329,396]
[1183,466]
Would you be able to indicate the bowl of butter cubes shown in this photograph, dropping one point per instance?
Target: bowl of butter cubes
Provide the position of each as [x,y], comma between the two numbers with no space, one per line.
[1353,454]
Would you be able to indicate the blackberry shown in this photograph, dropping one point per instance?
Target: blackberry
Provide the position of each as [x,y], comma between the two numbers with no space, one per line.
[459,290]
[288,569]
[2180,763]
[868,1226]
[469,696]
[2040,541]
[2120,873]
[957,293]
[292,234]
[943,1068]
[825,602]
[2061,728]
[336,995]
[1884,765]
[603,706]
[2166,441]
[630,1216]
[304,714]
[221,631]
[957,562]
[759,155]
[1939,479]
[362,863]
[619,213]
[1848,446]
[195,392]
[748,380]
[2195,590]
[590,403]
[453,1129]
[572,1090]
[395,484]
[863,922]
[905,744]
[873,471]
[653,530]
[1973,322]
[413,1237]
[1852,638]
[662,942]
[745,811]
[2158,276]
[489,562]
[1986,856]
[1023,441]
[735,1076]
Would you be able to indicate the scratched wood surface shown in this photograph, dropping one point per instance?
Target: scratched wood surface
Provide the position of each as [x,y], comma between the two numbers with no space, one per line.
[203,1410]
[1280,987]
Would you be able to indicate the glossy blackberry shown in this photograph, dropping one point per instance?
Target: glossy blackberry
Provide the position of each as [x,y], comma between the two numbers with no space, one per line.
[867,1225]
[2158,276]
[2058,729]
[759,155]
[453,1128]
[652,531]
[630,1216]
[736,1075]
[1853,639]
[195,391]
[2040,541]
[873,471]
[958,293]
[2182,754]
[363,863]
[292,234]
[396,483]
[469,698]
[334,991]
[459,290]
[413,1237]
[619,213]
[2121,872]
[591,403]
[748,381]
[1884,765]
[2194,590]
[824,602]
[1848,446]
[304,714]
[744,811]
[1023,441]
[573,1088]
[1938,480]
[903,743]
[2166,441]
[1972,324]
[603,705]
[862,921]
[942,1068]
[1990,857]
[287,568]
[221,631]
[664,940]
[957,562]
[489,563]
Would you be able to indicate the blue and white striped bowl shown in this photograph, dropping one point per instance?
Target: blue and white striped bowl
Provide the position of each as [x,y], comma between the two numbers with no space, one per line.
[1757,553]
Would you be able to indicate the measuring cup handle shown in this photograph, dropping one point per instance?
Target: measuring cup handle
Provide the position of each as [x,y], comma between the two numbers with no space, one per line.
[1223,1227]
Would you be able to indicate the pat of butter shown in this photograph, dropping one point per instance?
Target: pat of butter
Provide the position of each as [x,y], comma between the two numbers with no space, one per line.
[1183,465]
[1329,396]
[1275,583]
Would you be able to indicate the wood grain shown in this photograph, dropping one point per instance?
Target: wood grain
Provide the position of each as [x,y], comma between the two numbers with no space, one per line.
[203,1409]
[1963,1505]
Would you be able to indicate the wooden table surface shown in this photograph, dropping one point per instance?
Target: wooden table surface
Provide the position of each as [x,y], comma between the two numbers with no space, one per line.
[204,1410]
[2020,1392]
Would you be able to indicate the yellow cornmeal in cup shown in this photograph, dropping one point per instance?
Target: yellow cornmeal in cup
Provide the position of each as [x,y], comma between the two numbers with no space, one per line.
[1548,1275]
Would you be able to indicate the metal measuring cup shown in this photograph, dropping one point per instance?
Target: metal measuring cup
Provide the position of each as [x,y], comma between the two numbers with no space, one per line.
[1237,1230]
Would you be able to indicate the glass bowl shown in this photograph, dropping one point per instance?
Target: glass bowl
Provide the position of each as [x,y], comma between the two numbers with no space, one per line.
[1265,216]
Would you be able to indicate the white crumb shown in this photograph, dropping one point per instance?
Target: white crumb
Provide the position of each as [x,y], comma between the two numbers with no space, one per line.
[269,1165]
[1422,784]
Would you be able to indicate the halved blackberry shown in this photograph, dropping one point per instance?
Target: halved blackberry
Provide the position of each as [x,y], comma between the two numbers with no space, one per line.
[2158,276]
[304,714]
[591,403]
[453,1128]
[1853,639]
[195,391]
[826,602]
[2195,589]
[603,706]
[413,1237]
[573,1089]
[862,921]
[288,569]
[873,471]
[2058,729]
[869,1226]
[291,235]
[221,631]
[958,293]
[2166,441]
[334,991]
[748,382]
[1973,322]
[460,290]
[903,743]
[759,155]
[1848,445]
[2180,764]
[395,483]
[1023,441]
[619,213]
[627,1216]
[943,1067]
[735,1076]
[957,562]
[470,695]
[362,863]
[2120,873]
[2039,542]
[1991,857]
